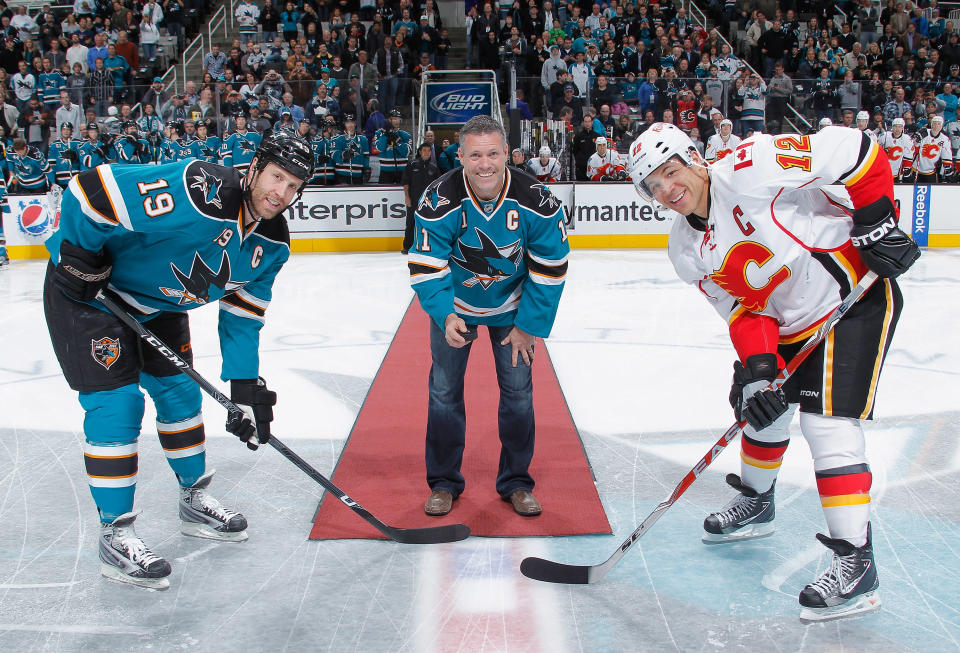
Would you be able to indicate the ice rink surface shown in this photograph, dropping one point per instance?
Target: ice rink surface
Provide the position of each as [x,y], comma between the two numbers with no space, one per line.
[645,365]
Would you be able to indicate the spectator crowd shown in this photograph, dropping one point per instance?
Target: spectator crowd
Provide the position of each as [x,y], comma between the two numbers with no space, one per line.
[611,68]
[343,74]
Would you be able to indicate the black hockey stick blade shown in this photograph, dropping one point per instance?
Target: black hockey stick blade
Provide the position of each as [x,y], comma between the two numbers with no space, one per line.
[555,572]
[430,535]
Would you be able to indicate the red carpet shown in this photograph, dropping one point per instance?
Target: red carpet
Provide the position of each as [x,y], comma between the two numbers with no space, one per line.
[382,465]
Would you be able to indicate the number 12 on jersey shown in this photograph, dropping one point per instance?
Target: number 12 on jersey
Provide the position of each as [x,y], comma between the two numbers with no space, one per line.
[797,144]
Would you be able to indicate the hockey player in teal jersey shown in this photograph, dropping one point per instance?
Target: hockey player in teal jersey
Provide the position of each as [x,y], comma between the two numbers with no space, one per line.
[128,147]
[169,148]
[351,155]
[393,145]
[28,169]
[490,248]
[206,147]
[165,239]
[238,148]
[63,157]
[324,146]
[93,151]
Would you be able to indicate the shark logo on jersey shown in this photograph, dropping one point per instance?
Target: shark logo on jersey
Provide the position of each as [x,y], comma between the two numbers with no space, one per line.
[105,351]
[546,197]
[246,146]
[488,263]
[196,285]
[209,185]
[432,199]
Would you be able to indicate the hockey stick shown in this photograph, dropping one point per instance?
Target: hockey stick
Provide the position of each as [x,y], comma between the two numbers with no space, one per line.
[432,535]
[557,572]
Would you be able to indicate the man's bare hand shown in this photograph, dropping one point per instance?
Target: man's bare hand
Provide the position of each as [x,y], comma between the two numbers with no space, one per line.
[453,329]
[522,343]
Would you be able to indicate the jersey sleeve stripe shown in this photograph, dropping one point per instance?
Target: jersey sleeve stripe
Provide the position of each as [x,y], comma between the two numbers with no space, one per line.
[250,299]
[114,196]
[546,280]
[547,261]
[868,154]
[88,188]
[426,261]
[420,277]
[241,307]
[555,271]
[240,312]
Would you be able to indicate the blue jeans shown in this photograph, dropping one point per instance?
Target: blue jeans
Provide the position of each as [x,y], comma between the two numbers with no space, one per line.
[447,421]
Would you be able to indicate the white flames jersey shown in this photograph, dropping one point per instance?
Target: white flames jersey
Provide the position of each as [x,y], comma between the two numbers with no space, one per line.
[717,148]
[549,172]
[899,150]
[932,153]
[775,242]
[603,165]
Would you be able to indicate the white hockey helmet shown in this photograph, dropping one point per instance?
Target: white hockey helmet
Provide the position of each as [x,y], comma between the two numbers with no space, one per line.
[863,115]
[660,142]
[899,122]
[825,122]
[545,150]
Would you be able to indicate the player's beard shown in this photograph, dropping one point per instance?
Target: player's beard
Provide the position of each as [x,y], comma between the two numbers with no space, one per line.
[261,205]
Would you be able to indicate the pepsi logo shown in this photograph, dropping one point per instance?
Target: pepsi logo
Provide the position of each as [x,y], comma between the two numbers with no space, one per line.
[34,219]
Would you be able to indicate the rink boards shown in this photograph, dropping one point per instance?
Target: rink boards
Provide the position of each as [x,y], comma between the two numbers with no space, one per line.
[598,216]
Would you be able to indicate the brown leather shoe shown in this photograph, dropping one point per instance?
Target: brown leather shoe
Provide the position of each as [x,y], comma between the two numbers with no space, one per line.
[524,503]
[439,503]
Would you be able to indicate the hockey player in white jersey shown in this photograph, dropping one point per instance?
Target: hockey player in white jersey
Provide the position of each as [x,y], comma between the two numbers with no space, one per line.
[773,251]
[605,164]
[899,148]
[545,167]
[722,143]
[934,156]
[863,124]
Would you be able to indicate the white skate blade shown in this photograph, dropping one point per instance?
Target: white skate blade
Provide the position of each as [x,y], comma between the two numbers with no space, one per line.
[749,532]
[202,530]
[111,572]
[862,604]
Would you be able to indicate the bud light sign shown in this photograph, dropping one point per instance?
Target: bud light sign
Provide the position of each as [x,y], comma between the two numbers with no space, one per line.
[921,215]
[454,103]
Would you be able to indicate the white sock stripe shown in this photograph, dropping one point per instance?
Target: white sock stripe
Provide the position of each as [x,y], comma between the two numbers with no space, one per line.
[126,481]
[182,425]
[109,450]
[184,453]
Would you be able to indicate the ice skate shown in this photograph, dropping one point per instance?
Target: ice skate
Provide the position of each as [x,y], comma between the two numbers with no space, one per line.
[749,515]
[847,588]
[202,516]
[125,558]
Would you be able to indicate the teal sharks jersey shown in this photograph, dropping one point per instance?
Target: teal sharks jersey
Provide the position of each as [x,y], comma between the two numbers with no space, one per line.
[394,149]
[207,149]
[238,149]
[92,154]
[31,170]
[62,169]
[323,150]
[497,262]
[351,155]
[176,240]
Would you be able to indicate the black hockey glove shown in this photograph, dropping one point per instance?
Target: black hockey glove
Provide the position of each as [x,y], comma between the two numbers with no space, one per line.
[883,246]
[69,155]
[749,399]
[80,272]
[257,403]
